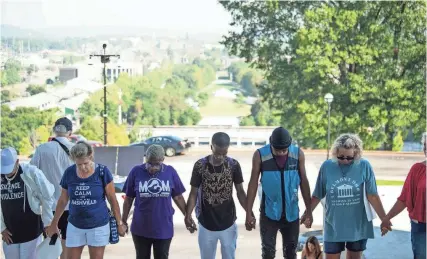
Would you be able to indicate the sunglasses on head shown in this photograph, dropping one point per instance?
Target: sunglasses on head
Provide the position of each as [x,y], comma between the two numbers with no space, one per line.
[348,158]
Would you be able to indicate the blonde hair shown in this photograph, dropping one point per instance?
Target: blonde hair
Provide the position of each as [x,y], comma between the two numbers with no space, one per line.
[348,141]
[80,150]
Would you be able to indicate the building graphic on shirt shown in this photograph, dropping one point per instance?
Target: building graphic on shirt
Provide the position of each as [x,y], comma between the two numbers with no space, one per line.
[154,188]
[345,191]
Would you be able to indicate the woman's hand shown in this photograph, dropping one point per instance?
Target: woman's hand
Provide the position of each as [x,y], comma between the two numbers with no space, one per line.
[7,236]
[189,223]
[385,225]
[52,230]
[122,229]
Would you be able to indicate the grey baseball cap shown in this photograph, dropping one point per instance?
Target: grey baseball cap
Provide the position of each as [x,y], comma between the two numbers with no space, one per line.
[63,125]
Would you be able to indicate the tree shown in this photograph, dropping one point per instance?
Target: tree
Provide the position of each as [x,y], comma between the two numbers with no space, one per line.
[11,72]
[26,120]
[370,55]
[6,96]
[39,135]
[92,128]
[35,89]
[31,69]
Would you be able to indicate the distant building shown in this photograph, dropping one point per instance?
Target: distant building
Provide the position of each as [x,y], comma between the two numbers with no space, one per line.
[67,73]
[115,69]
[41,101]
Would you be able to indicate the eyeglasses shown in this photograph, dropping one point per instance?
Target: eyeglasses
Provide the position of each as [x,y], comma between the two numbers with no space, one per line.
[348,158]
[154,164]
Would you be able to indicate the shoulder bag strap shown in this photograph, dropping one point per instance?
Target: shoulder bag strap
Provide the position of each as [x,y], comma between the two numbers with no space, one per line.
[62,145]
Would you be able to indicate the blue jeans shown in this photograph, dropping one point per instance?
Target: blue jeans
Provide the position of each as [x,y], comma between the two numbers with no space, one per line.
[418,239]
[209,239]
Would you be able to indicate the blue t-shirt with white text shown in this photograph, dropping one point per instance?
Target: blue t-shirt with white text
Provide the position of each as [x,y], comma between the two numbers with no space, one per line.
[88,208]
[342,185]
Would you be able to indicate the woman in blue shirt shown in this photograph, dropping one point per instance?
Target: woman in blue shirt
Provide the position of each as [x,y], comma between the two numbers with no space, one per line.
[347,181]
[85,185]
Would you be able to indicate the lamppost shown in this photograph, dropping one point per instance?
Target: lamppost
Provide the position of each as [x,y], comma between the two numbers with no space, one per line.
[328,99]
[104,59]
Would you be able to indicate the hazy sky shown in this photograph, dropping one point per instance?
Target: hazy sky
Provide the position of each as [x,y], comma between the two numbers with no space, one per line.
[197,15]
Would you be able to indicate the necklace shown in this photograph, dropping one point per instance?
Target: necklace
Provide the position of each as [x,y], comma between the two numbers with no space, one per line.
[12,178]
[213,166]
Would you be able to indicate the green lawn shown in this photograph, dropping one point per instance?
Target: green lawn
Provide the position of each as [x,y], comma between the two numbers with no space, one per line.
[210,89]
[218,106]
[389,183]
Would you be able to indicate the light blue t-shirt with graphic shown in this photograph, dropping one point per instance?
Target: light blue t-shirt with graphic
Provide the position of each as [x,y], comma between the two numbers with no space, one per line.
[342,185]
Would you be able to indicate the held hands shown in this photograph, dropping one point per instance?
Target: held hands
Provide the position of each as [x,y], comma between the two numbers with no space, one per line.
[250,222]
[52,230]
[307,219]
[189,223]
[122,229]
[7,236]
[385,226]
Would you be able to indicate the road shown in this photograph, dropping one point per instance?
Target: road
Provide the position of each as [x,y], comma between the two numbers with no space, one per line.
[387,165]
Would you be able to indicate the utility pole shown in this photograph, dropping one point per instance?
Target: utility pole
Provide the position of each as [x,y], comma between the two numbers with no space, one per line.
[105,59]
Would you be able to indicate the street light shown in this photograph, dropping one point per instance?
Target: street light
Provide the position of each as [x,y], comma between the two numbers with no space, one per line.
[105,59]
[328,99]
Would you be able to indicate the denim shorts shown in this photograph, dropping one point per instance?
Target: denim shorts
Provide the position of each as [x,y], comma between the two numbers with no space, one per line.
[338,247]
[96,237]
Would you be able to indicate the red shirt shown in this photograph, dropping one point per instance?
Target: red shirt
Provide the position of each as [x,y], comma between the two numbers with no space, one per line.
[414,192]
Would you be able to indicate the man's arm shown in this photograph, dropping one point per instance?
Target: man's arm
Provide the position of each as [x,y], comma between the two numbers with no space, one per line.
[180,203]
[241,195]
[305,186]
[252,190]
[191,201]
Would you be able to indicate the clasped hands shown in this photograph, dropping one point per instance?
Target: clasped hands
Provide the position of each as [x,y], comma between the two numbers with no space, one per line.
[307,219]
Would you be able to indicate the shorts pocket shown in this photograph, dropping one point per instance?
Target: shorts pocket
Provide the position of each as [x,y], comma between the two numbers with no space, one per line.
[99,236]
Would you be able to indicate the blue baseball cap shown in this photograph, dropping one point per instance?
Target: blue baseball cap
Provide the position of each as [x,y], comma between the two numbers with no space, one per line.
[8,160]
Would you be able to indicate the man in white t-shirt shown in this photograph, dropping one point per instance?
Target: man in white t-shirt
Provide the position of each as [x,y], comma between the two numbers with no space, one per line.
[52,158]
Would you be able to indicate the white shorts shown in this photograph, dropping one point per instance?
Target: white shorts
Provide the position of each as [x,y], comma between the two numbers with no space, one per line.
[97,237]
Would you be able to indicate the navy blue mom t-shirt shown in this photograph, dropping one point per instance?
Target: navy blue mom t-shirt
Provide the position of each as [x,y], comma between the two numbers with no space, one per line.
[88,208]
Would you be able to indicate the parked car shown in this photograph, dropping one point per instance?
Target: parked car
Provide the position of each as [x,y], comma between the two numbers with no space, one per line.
[75,138]
[173,145]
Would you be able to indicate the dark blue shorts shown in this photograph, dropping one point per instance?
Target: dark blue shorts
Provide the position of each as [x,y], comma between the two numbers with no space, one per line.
[338,247]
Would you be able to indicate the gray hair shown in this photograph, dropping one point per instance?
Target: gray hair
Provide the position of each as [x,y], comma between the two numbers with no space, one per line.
[81,149]
[424,138]
[155,152]
[348,141]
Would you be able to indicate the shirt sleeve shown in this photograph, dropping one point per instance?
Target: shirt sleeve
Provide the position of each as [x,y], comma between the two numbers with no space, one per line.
[178,187]
[129,187]
[237,174]
[320,188]
[108,177]
[35,160]
[196,176]
[370,181]
[64,179]
[406,195]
